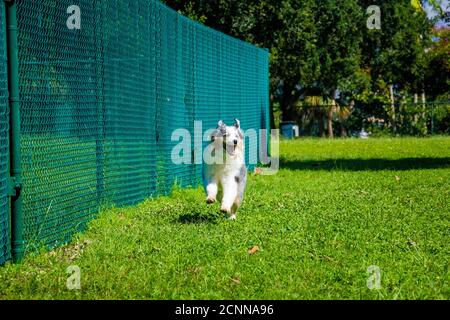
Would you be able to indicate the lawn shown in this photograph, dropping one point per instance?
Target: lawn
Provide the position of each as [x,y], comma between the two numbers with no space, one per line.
[334,208]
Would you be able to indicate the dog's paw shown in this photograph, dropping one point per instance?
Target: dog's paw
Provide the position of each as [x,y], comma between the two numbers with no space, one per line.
[225,209]
[232,217]
[210,200]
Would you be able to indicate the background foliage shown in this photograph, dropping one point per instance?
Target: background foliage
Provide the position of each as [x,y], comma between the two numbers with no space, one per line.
[333,75]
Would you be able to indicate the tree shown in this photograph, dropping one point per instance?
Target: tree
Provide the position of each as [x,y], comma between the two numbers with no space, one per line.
[437,75]
[395,53]
[323,48]
[339,24]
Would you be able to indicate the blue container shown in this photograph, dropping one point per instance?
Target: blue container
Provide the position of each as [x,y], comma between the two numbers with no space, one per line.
[287,129]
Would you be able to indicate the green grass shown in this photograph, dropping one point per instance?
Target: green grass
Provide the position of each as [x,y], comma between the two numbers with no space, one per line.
[334,208]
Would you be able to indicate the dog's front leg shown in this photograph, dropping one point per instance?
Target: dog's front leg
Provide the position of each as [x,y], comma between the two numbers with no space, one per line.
[211,191]
[229,194]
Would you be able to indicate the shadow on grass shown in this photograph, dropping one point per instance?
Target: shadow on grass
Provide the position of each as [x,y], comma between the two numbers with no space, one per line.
[366,164]
[198,218]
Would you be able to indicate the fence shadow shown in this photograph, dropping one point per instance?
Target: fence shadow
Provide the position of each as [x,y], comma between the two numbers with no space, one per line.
[366,164]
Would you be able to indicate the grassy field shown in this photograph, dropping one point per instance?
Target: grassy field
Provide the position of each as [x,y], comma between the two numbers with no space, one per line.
[335,208]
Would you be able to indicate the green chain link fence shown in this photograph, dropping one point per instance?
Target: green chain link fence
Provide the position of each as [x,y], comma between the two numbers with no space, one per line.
[99,105]
[4,154]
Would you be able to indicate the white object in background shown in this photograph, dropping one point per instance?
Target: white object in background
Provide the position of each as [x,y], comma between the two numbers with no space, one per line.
[363,134]
[296,130]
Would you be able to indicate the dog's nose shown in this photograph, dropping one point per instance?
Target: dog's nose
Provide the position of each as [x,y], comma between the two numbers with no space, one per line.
[235,141]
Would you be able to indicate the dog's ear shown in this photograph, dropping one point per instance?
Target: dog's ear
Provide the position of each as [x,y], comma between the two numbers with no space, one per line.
[237,125]
[221,128]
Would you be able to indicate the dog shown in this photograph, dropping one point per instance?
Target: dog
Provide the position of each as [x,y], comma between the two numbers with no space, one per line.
[228,176]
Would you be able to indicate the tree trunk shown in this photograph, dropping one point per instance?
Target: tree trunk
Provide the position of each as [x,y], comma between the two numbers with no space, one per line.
[330,122]
[416,99]
[393,118]
[330,113]
[424,102]
[424,116]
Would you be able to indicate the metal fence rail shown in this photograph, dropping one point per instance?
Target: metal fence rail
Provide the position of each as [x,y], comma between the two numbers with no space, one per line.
[98,106]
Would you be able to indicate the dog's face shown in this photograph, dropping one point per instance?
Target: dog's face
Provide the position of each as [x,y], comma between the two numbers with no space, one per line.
[230,138]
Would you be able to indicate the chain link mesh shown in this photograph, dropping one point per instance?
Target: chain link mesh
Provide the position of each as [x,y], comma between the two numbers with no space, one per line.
[99,105]
[4,154]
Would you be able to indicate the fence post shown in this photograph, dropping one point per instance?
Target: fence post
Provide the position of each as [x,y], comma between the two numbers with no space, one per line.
[17,241]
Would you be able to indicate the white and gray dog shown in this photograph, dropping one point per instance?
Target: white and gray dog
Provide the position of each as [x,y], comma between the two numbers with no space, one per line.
[228,176]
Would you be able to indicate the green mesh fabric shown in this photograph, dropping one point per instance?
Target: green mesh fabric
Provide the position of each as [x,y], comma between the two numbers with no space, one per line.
[99,105]
[4,155]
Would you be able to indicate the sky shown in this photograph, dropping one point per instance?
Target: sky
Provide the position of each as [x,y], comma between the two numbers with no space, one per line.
[445,4]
